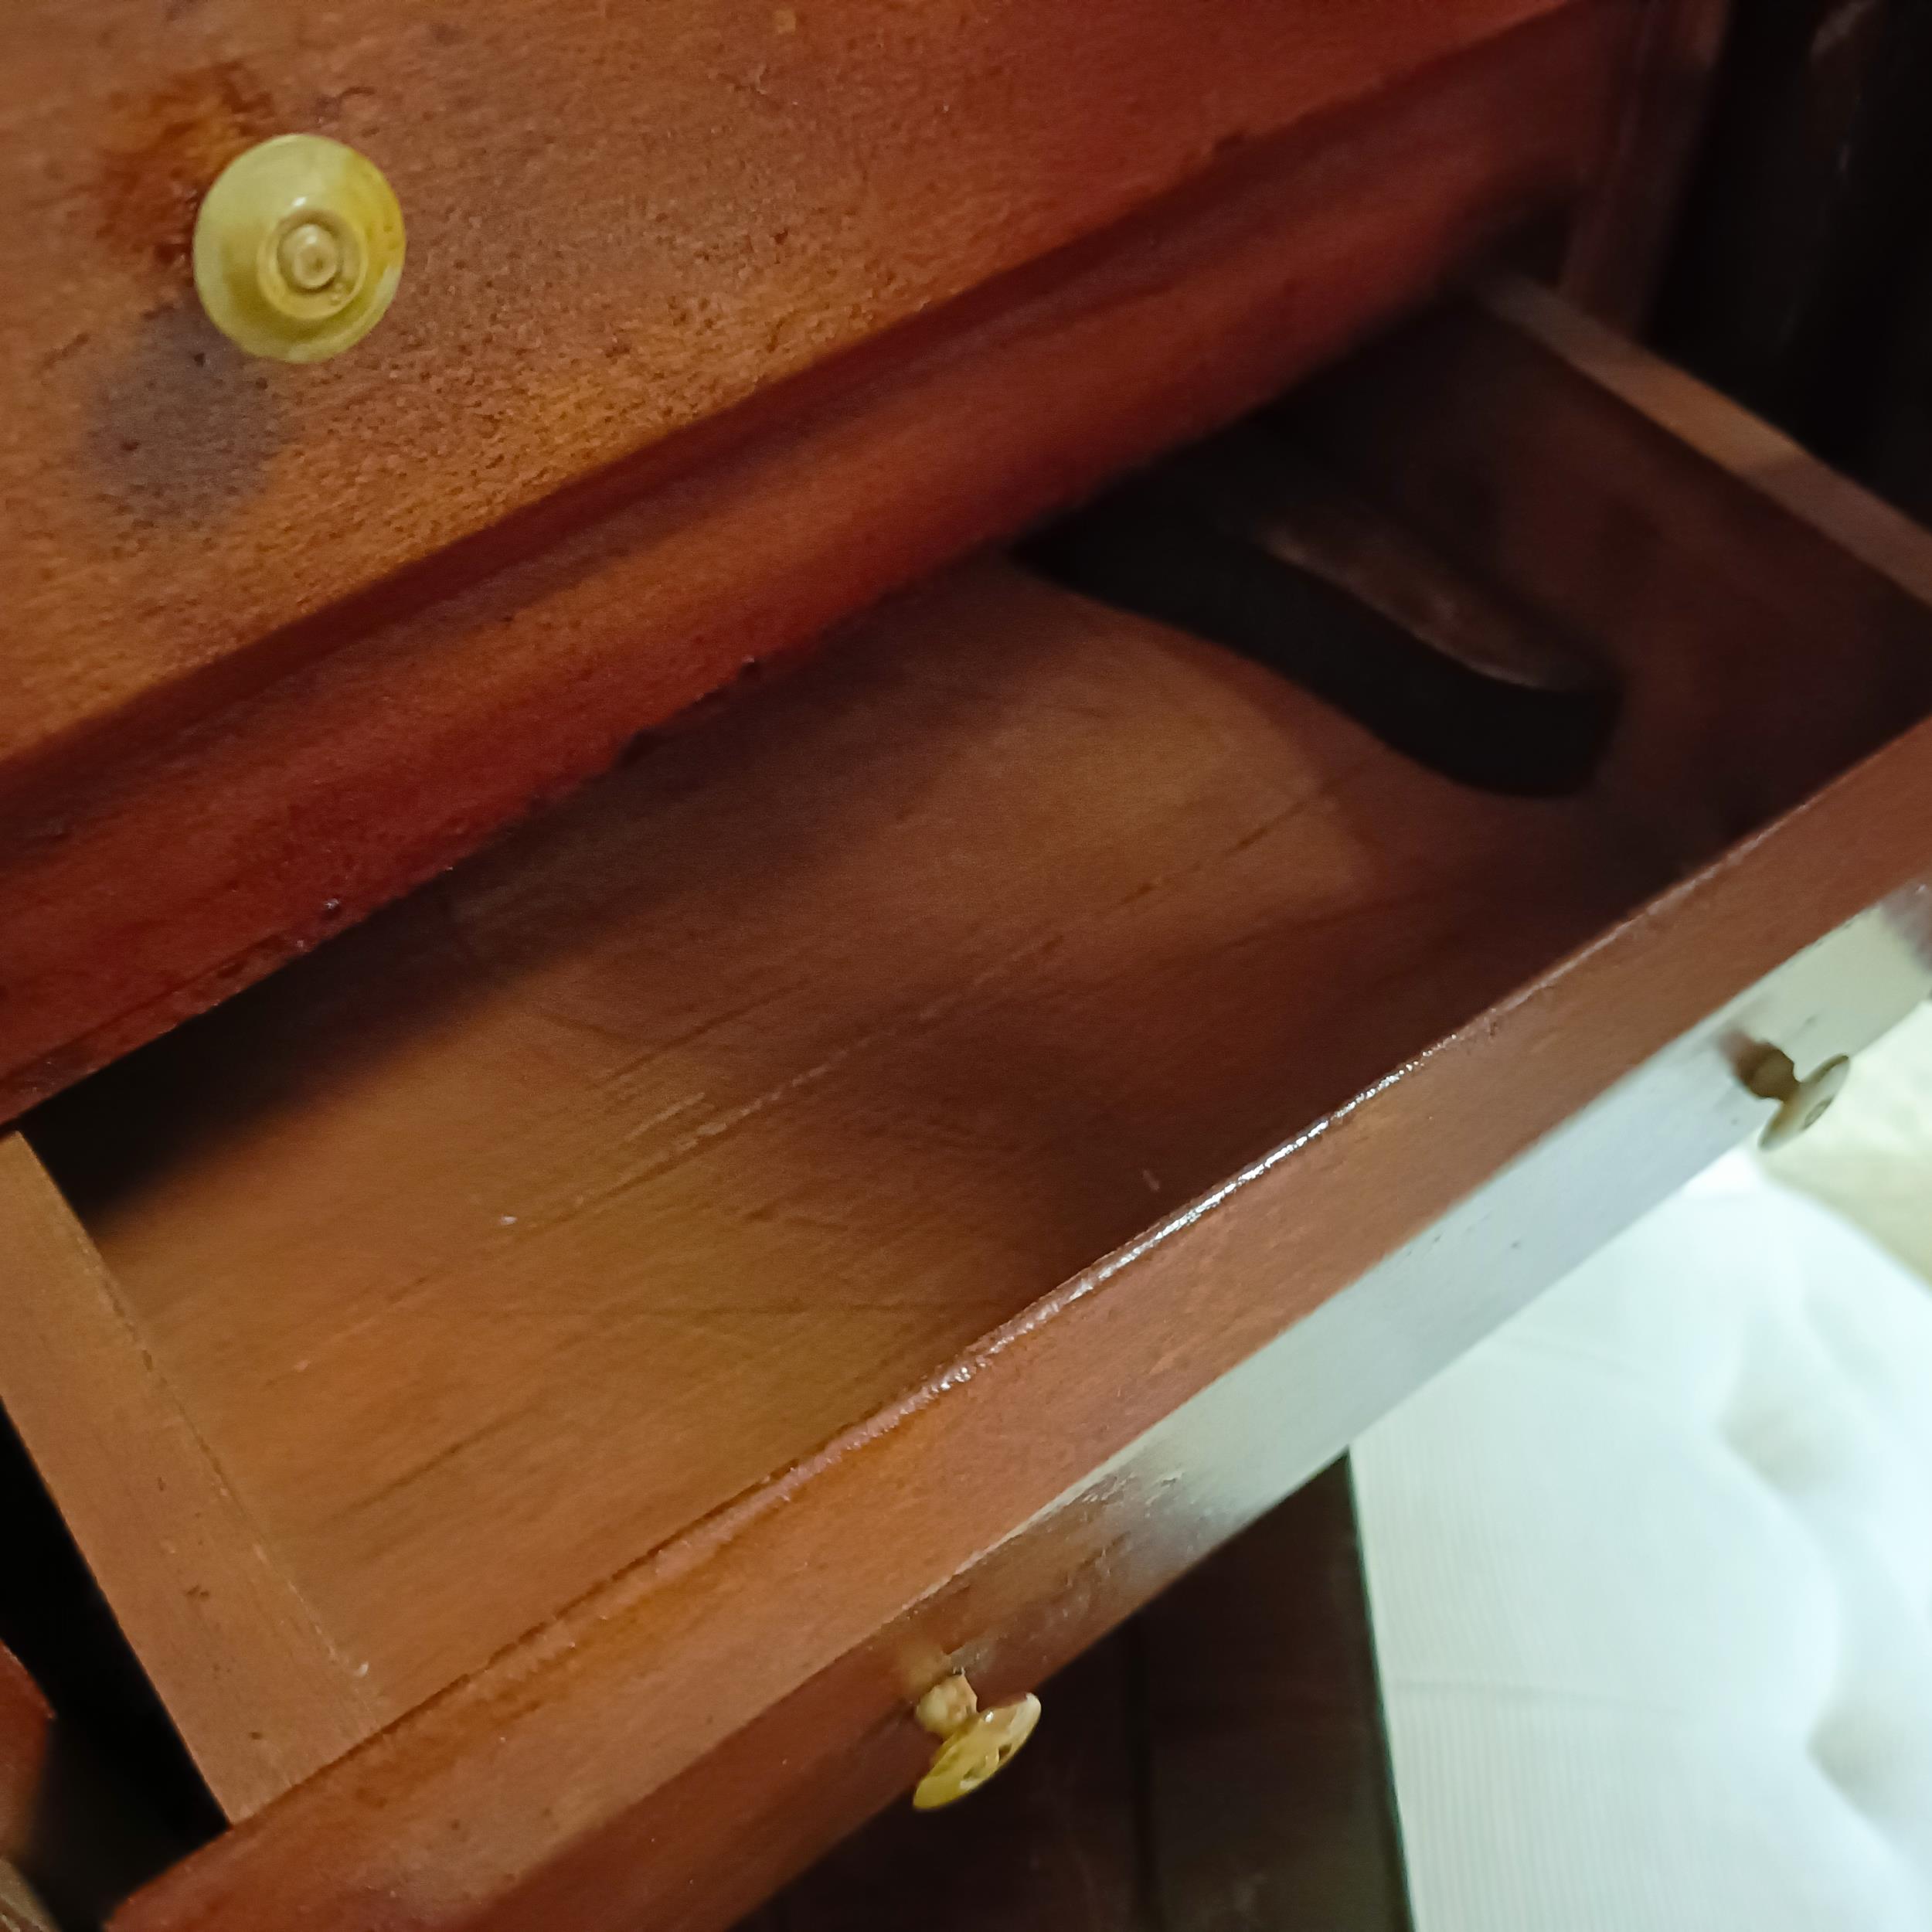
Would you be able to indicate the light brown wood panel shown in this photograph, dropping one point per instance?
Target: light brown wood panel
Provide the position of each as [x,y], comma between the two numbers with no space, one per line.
[257,1687]
[521,1228]
[420,726]
[623,220]
[672,1749]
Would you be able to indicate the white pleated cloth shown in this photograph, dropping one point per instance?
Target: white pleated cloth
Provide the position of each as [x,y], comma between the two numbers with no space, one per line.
[1650,1576]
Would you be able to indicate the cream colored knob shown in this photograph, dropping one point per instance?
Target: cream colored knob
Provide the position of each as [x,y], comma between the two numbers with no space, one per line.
[1802,1104]
[977,1743]
[298,248]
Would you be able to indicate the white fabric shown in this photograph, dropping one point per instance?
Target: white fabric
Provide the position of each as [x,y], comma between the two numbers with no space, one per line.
[1650,1575]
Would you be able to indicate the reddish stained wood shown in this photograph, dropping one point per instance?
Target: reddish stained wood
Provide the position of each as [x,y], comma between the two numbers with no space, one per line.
[1218,1764]
[619,227]
[702,1728]
[693,1743]
[1052,1845]
[197,867]
[1767,616]
[503,1240]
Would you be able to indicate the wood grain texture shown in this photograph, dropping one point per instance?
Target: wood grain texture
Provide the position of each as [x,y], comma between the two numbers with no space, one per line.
[692,1750]
[215,1622]
[422,721]
[515,1232]
[1767,616]
[619,227]
[671,1745]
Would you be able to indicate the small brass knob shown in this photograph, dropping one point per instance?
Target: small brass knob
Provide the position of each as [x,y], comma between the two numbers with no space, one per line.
[1802,1104]
[298,247]
[976,1743]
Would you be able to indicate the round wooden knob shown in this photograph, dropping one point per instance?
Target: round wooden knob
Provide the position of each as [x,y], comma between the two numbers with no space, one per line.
[1802,1104]
[298,248]
[976,1743]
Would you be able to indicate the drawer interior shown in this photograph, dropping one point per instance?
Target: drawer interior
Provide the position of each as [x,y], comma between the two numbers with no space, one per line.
[807,305]
[498,1246]
[519,1229]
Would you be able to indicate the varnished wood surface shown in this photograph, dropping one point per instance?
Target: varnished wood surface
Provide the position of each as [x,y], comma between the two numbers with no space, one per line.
[619,227]
[1055,1844]
[694,1744]
[426,717]
[1218,1765]
[1768,618]
[708,1750]
[521,1229]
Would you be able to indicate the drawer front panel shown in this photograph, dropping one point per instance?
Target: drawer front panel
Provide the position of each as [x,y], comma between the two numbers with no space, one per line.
[396,731]
[622,221]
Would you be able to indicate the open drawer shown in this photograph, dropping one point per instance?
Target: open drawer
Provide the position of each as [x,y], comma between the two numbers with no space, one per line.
[885,1180]
[696,294]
